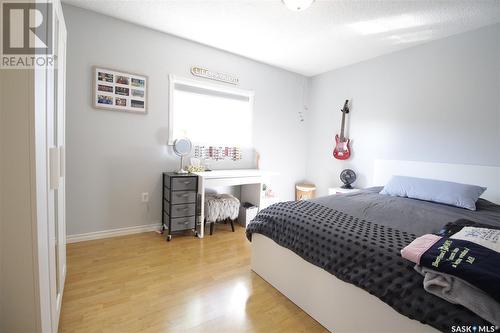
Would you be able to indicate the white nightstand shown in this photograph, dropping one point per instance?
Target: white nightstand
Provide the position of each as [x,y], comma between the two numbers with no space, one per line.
[339,190]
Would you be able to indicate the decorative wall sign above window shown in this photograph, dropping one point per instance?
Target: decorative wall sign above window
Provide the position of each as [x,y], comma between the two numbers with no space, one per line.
[119,91]
[217,76]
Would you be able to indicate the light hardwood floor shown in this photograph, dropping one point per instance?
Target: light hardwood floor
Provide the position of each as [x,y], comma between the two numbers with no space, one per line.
[141,283]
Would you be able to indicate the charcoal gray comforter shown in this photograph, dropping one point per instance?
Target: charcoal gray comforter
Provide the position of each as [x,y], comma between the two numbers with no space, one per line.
[357,238]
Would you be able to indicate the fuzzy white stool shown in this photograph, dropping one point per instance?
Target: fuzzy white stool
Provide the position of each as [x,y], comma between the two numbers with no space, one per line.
[221,207]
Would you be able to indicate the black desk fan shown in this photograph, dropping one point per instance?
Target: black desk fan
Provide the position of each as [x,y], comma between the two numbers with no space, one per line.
[347,176]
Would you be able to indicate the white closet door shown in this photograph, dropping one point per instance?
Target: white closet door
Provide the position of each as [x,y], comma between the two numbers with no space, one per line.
[52,195]
[56,167]
[61,142]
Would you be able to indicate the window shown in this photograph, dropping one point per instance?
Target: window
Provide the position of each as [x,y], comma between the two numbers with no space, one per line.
[210,114]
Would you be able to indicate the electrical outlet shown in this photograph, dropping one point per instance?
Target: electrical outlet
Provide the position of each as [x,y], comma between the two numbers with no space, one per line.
[145,197]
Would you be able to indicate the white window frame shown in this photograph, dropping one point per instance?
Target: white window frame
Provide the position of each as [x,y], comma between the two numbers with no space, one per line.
[174,79]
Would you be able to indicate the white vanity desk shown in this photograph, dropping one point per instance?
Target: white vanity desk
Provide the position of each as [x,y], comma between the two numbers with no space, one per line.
[250,180]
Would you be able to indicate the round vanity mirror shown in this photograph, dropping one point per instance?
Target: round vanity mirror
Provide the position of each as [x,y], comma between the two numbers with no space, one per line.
[182,147]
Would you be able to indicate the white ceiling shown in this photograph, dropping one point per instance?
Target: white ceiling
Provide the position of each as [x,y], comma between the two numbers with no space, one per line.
[328,35]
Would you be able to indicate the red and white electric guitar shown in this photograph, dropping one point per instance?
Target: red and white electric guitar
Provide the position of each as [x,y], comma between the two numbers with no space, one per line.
[341,150]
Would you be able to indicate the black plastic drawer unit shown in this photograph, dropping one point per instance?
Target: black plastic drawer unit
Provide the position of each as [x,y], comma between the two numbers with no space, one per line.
[180,202]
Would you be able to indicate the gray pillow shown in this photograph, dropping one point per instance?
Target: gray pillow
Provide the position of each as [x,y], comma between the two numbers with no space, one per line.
[455,194]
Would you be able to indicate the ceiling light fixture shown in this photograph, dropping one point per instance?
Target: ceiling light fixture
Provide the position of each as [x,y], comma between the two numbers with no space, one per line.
[297,5]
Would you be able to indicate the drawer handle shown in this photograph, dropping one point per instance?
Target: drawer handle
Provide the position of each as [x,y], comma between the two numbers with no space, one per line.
[185,195]
[185,208]
[187,182]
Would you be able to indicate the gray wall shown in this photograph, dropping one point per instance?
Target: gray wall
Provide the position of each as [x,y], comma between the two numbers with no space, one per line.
[438,102]
[113,157]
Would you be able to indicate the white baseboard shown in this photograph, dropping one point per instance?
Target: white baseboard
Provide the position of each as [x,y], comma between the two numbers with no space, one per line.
[112,233]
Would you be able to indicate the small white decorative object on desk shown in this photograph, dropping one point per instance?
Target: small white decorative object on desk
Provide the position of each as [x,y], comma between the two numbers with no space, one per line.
[340,190]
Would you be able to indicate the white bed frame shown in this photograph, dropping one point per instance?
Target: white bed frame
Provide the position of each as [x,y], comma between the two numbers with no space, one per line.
[339,306]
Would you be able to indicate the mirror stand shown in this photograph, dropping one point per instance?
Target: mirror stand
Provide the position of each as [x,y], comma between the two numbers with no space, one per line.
[181,170]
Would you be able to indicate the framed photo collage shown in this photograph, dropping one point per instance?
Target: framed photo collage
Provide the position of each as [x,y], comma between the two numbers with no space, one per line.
[120,91]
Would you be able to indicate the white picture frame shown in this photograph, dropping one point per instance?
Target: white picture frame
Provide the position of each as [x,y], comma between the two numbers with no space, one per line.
[119,91]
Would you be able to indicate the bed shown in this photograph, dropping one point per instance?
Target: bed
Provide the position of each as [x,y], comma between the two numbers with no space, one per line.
[372,289]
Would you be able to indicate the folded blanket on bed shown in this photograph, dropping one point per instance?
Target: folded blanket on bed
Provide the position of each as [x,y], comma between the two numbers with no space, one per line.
[417,247]
[471,262]
[486,237]
[458,291]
